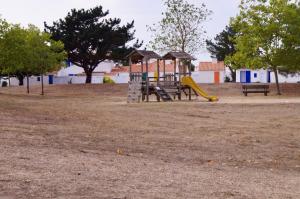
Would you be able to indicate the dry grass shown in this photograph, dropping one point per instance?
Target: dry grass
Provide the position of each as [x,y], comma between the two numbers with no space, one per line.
[86,142]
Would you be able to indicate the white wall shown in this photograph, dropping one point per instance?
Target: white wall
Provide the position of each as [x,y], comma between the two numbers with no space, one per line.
[33,81]
[121,78]
[104,67]
[283,79]
[203,77]
[262,77]
[207,77]
[76,80]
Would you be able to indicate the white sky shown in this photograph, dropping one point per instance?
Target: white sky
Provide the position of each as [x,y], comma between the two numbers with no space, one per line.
[143,12]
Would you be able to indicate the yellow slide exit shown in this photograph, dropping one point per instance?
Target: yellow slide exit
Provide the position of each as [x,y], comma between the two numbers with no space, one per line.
[188,81]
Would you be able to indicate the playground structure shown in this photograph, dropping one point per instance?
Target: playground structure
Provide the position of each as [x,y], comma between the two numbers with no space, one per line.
[165,86]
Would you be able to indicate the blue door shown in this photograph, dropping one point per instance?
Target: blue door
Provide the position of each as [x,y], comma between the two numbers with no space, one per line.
[50,79]
[269,77]
[248,76]
[245,77]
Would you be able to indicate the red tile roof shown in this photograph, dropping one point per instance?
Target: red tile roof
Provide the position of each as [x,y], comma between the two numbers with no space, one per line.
[152,67]
[211,66]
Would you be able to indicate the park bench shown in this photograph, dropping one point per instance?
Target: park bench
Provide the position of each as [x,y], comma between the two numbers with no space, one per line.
[255,88]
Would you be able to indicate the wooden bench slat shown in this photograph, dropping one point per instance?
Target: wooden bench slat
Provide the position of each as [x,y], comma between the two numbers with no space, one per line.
[256,88]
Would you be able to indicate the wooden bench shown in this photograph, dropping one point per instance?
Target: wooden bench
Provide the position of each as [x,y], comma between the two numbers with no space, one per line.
[255,88]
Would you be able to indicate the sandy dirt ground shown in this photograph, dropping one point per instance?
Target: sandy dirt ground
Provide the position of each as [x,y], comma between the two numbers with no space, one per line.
[83,141]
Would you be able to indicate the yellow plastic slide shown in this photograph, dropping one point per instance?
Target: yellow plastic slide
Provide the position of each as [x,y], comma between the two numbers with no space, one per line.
[188,81]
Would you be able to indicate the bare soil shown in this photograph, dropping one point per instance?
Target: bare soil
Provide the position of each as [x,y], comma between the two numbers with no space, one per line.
[84,141]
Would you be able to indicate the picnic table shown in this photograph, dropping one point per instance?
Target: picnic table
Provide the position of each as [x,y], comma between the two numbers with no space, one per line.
[256,88]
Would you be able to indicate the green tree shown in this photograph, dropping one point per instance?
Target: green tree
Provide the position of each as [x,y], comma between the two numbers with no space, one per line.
[28,51]
[181,28]
[46,55]
[268,36]
[222,46]
[4,26]
[14,53]
[90,37]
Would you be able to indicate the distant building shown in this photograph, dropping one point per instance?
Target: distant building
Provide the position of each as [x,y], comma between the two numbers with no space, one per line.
[73,70]
[209,72]
[263,76]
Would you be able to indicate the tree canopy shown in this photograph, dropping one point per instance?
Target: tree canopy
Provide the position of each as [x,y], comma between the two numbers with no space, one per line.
[28,51]
[181,28]
[90,37]
[222,46]
[268,35]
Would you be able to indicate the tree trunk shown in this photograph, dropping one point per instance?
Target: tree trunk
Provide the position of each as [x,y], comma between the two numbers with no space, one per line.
[233,74]
[42,81]
[27,77]
[20,78]
[88,74]
[9,80]
[277,81]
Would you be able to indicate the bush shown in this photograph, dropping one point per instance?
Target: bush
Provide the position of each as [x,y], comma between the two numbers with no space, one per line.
[108,80]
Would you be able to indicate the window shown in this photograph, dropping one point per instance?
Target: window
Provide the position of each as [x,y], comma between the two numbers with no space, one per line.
[255,75]
[38,79]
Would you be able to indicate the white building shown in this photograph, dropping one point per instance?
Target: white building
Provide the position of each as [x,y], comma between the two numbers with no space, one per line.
[210,72]
[73,70]
[263,76]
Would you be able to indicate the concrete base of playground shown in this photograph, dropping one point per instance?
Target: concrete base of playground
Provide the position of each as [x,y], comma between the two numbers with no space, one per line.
[85,141]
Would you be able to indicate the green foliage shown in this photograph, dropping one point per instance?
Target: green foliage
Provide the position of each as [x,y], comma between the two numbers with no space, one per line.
[268,35]
[222,46]
[90,37]
[28,51]
[180,29]
[108,80]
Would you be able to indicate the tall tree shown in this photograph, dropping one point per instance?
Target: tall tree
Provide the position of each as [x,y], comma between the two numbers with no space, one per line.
[28,51]
[4,27]
[181,28]
[14,53]
[222,46]
[268,35]
[46,55]
[90,37]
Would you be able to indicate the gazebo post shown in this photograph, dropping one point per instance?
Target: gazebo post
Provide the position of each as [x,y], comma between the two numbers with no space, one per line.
[158,77]
[190,74]
[147,80]
[158,72]
[175,65]
[179,76]
[164,72]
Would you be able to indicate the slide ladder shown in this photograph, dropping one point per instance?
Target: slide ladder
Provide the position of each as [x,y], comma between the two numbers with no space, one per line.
[163,94]
[188,81]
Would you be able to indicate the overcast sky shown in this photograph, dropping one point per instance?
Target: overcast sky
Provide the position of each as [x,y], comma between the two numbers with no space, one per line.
[143,12]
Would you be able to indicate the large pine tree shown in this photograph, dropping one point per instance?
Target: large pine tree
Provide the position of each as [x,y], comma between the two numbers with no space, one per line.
[90,37]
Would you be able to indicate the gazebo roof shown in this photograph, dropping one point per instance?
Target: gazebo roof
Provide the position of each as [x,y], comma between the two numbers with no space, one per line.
[138,55]
[178,55]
